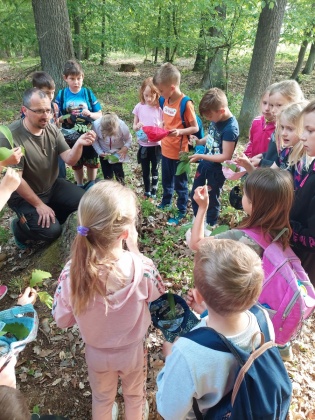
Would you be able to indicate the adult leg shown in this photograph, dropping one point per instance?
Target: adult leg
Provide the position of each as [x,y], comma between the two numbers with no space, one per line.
[107,169]
[215,181]
[155,157]
[199,181]
[119,172]
[168,174]
[65,198]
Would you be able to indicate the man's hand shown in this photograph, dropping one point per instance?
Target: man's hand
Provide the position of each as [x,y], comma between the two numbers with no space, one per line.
[87,139]
[201,196]
[46,215]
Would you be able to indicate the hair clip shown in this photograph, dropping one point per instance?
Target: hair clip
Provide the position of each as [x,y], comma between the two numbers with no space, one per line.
[82,230]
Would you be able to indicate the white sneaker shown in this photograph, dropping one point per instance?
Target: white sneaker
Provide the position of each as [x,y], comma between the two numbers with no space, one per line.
[115,411]
[286,352]
[146,410]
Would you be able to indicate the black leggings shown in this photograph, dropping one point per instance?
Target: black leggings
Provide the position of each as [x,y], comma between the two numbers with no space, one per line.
[150,158]
[111,169]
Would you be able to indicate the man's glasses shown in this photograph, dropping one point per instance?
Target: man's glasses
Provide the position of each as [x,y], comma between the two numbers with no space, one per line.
[39,111]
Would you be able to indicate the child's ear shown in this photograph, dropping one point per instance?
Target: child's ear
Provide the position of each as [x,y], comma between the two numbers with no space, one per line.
[197,296]
[64,78]
[124,235]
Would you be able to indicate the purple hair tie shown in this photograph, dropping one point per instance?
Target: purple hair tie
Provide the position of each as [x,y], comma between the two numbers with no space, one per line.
[82,230]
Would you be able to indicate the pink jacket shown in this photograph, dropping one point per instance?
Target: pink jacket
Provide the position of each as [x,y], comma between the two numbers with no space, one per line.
[259,136]
[128,316]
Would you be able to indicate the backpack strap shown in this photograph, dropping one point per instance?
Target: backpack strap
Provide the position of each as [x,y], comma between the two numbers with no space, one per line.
[161,102]
[88,98]
[182,108]
[258,236]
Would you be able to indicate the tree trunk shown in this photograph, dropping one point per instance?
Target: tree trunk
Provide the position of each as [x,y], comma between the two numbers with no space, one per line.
[158,35]
[52,20]
[299,63]
[262,63]
[77,33]
[200,61]
[309,66]
[213,75]
[103,52]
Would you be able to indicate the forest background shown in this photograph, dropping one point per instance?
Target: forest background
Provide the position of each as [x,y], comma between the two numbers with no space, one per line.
[240,46]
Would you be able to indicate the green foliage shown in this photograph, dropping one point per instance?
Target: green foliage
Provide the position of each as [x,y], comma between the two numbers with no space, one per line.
[184,163]
[38,276]
[16,329]
[45,298]
[4,235]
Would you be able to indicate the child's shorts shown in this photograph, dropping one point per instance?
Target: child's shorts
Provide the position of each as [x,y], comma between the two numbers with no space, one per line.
[89,159]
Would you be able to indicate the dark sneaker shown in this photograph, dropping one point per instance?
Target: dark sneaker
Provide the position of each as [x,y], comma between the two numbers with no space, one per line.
[164,206]
[13,227]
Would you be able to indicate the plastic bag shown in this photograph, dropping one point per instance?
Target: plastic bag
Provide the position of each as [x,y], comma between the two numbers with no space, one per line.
[155,133]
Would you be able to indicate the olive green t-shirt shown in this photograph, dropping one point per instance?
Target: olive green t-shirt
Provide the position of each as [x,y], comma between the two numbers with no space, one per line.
[40,163]
[239,235]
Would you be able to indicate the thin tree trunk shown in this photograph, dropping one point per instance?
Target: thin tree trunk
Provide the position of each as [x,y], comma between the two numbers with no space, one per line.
[51,19]
[103,53]
[200,60]
[299,63]
[77,33]
[156,50]
[309,66]
[262,63]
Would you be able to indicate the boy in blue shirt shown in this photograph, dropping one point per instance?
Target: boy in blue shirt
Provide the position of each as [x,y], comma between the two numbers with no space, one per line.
[220,143]
[83,108]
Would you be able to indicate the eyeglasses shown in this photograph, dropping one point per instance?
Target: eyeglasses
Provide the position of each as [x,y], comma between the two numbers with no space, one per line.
[39,111]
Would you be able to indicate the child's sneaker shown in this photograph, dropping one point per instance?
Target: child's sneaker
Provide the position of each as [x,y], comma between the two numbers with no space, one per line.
[3,291]
[153,196]
[146,195]
[176,220]
[164,206]
[115,411]
[286,352]
[13,228]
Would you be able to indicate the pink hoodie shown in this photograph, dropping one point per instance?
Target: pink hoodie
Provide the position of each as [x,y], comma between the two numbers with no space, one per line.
[128,316]
[259,136]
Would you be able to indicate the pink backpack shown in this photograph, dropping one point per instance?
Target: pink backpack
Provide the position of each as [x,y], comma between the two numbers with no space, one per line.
[287,292]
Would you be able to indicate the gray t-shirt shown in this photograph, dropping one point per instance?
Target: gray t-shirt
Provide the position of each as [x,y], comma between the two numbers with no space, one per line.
[40,163]
[239,235]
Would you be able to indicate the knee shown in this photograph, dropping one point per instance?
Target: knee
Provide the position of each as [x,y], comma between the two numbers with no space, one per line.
[50,234]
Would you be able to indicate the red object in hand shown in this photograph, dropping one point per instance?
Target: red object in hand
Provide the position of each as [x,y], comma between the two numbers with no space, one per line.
[155,133]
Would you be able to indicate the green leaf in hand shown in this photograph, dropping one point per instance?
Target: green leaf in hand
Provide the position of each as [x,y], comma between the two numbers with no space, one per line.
[231,166]
[8,135]
[182,167]
[18,330]
[113,158]
[38,277]
[45,298]
[5,153]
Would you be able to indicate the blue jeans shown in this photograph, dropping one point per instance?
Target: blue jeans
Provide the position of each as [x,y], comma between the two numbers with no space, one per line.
[170,181]
[206,171]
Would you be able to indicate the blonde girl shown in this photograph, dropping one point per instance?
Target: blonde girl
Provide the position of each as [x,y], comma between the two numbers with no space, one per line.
[261,128]
[302,216]
[281,94]
[112,138]
[105,289]
[148,113]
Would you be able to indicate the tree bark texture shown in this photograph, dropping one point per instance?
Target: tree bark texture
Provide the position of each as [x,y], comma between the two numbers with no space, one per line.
[299,63]
[309,66]
[54,36]
[200,60]
[262,63]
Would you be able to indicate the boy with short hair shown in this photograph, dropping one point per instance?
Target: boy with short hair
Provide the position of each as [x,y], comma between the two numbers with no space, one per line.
[167,80]
[220,143]
[45,82]
[84,108]
[228,278]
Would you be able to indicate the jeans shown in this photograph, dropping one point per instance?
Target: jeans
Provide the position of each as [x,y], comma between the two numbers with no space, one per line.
[170,181]
[63,198]
[213,176]
[150,158]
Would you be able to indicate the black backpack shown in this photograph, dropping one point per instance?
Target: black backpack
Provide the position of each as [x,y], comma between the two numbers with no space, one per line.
[262,390]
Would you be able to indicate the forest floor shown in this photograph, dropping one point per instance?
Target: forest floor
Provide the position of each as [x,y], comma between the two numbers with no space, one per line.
[51,371]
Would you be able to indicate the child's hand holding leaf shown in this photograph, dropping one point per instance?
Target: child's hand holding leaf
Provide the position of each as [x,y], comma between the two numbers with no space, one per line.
[201,196]
[245,163]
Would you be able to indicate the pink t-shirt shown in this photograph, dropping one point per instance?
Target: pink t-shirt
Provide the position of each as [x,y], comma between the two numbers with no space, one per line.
[259,136]
[148,116]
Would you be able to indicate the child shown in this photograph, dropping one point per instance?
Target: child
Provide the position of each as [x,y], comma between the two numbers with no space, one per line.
[302,216]
[9,183]
[148,113]
[281,95]
[113,138]
[228,277]
[261,129]
[84,108]
[167,80]
[45,82]
[220,143]
[106,290]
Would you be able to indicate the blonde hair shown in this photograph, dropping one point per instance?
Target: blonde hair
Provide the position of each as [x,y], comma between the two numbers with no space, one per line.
[292,114]
[167,74]
[107,210]
[213,100]
[290,89]
[228,274]
[154,91]
[109,124]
